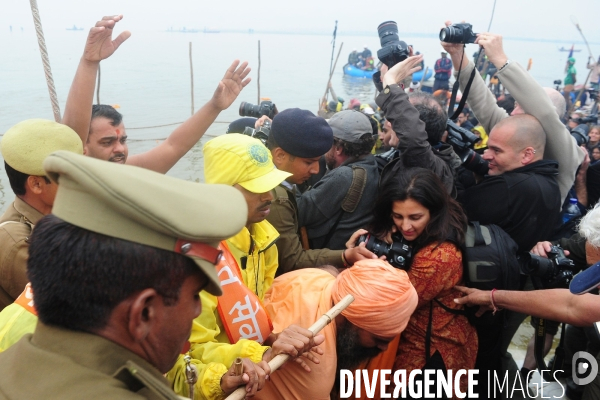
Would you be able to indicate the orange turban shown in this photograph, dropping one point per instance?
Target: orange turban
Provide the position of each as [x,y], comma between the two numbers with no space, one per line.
[384,298]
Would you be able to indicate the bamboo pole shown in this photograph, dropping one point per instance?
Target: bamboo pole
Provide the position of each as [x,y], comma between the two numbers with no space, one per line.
[192,78]
[258,75]
[279,360]
[333,69]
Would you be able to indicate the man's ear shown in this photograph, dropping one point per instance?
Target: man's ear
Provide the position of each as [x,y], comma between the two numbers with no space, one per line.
[279,155]
[34,184]
[528,155]
[144,312]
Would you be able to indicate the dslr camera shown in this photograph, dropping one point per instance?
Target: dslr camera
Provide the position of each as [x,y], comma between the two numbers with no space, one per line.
[462,141]
[264,108]
[393,50]
[458,33]
[262,133]
[397,253]
[556,271]
[580,132]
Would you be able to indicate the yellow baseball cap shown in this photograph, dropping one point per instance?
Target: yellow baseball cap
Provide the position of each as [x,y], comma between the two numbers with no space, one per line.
[240,159]
[26,145]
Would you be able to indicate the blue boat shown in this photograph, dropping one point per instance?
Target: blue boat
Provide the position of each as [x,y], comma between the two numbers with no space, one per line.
[419,74]
[351,70]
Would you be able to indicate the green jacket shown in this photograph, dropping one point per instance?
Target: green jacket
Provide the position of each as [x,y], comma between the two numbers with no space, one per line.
[284,217]
[56,363]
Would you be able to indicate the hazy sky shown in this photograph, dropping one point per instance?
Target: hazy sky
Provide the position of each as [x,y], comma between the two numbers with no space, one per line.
[541,19]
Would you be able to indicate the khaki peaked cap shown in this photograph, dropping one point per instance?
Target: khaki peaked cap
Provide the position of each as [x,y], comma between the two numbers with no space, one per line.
[26,145]
[146,207]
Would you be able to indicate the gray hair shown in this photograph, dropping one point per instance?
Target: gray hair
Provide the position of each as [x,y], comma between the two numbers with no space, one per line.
[558,101]
[589,227]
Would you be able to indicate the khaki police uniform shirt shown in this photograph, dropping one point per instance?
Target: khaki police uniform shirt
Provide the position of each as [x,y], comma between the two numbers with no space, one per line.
[55,363]
[15,228]
[284,217]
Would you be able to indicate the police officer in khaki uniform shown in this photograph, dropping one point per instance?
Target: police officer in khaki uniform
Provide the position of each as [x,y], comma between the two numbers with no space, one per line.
[116,270]
[297,141]
[24,148]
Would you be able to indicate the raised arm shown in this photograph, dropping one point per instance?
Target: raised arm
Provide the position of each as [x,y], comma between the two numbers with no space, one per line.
[99,46]
[164,156]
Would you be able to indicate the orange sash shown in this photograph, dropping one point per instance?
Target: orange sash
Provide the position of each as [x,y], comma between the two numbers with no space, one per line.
[25,300]
[241,311]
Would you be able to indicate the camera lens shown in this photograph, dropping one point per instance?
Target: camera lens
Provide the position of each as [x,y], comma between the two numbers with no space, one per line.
[388,32]
[451,34]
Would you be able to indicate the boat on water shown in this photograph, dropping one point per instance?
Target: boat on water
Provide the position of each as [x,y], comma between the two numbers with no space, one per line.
[74,28]
[352,70]
[571,49]
[417,76]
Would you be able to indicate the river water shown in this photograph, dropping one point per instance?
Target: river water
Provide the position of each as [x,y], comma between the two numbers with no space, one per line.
[149,78]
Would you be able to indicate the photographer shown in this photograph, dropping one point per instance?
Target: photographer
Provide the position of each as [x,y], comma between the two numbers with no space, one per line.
[545,104]
[555,304]
[297,141]
[419,142]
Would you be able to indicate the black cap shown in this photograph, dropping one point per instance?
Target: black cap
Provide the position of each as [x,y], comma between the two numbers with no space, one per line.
[301,133]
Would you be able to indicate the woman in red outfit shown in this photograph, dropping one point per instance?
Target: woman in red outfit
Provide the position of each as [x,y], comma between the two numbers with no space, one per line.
[415,204]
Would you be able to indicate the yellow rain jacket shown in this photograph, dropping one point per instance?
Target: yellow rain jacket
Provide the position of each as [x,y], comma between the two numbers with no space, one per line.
[210,349]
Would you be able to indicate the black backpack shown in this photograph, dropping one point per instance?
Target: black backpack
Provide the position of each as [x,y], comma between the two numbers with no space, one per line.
[491,256]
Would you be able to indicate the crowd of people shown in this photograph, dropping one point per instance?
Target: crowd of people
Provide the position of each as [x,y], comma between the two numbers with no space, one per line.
[117,281]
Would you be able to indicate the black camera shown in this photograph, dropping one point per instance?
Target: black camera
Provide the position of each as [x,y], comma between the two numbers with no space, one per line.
[556,271]
[580,133]
[264,108]
[590,119]
[392,49]
[262,133]
[397,253]
[458,33]
[462,141]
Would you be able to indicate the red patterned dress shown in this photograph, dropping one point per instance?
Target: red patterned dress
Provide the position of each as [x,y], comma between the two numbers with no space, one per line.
[434,273]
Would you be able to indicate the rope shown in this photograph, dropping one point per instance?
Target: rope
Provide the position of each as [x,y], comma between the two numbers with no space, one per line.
[174,123]
[42,43]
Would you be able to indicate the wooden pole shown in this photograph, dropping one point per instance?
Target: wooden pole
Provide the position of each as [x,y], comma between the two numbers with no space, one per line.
[98,86]
[258,75]
[192,78]
[333,69]
[279,360]
[423,78]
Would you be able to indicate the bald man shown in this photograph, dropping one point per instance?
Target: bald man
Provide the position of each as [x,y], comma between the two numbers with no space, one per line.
[545,104]
[520,194]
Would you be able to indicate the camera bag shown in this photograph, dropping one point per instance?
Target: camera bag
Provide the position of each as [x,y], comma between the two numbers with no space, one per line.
[491,256]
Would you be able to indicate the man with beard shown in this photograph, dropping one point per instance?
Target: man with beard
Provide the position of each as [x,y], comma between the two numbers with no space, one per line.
[340,203]
[384,300]
[105,136]
[297,141]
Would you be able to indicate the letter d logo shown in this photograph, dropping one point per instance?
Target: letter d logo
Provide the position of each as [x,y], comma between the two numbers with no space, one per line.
[585,368]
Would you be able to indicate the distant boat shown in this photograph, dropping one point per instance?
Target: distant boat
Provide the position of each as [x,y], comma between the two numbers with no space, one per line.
[573,50]
[211,30]
[183,30]
[74,28]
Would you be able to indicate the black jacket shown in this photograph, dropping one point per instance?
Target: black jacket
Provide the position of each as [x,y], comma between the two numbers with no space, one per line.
[525,202]
[415,150]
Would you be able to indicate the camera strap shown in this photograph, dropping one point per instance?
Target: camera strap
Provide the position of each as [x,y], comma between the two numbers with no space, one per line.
[463,100]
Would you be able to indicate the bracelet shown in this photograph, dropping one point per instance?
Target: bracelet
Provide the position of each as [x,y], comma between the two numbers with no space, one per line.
[344,259]
[504,66]
[494,307]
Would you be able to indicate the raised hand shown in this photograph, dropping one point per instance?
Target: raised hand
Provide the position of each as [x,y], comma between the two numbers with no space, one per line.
[99,44]
[231,85]
[401,70]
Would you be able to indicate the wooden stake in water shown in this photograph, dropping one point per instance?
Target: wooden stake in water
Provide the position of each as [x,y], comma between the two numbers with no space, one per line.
[258,75]
[192,78]
[315,328]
